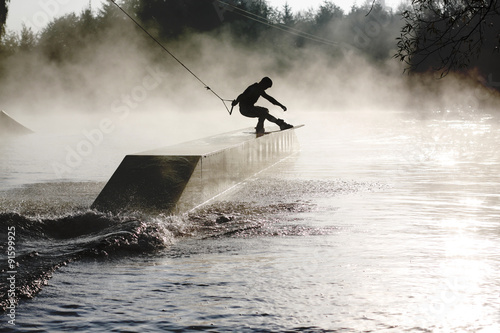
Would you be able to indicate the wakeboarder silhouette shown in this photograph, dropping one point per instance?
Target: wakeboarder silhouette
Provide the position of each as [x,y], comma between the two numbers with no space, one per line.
[248,108]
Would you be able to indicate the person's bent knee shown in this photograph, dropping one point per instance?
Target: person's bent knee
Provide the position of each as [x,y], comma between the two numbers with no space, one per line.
[262,110]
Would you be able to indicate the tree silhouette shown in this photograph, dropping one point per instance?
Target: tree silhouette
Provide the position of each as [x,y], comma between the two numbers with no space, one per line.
[173,17]
[28,39]
[287,17]
[4,9]
[328,12]
[448,35]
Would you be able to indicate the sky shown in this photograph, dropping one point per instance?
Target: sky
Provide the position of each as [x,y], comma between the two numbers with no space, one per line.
[35,14]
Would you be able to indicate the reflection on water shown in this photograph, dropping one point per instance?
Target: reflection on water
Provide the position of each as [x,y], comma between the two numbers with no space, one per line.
[382,222]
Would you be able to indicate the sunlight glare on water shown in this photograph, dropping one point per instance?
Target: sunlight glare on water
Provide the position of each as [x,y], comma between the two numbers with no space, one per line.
[382,223]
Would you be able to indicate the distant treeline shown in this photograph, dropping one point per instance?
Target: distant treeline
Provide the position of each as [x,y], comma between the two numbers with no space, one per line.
[370,30]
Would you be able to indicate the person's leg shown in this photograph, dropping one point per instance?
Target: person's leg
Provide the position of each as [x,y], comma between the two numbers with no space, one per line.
[256,112]
[260,125]
[283,126]
[270,118]
[263,114]
[280,122]
[250,111]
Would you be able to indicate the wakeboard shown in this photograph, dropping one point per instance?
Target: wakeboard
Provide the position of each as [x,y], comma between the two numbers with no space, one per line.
[277,130]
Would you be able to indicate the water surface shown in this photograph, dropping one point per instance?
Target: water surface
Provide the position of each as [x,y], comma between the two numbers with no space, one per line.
[384,222]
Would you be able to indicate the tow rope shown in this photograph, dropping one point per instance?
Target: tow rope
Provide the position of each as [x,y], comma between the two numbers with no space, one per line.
[173,56]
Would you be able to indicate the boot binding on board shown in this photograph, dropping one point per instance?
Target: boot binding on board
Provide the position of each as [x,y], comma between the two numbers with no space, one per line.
[283,126]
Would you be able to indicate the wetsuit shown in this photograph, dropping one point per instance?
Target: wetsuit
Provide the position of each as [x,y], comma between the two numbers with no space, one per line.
[247,102]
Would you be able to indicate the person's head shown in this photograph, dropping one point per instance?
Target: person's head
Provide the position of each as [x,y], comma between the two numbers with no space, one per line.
[266,83]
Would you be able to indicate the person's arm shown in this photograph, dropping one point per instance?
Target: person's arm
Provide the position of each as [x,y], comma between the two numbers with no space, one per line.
[273,101]
[236,101]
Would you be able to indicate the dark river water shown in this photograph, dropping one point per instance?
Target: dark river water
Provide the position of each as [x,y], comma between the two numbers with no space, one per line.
[385,222]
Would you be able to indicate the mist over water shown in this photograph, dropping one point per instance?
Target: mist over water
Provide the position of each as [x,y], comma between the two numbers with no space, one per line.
[394,228]
[123,83]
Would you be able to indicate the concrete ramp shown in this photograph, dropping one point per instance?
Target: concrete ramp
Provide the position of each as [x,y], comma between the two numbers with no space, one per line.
[10,127]
[178,178]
